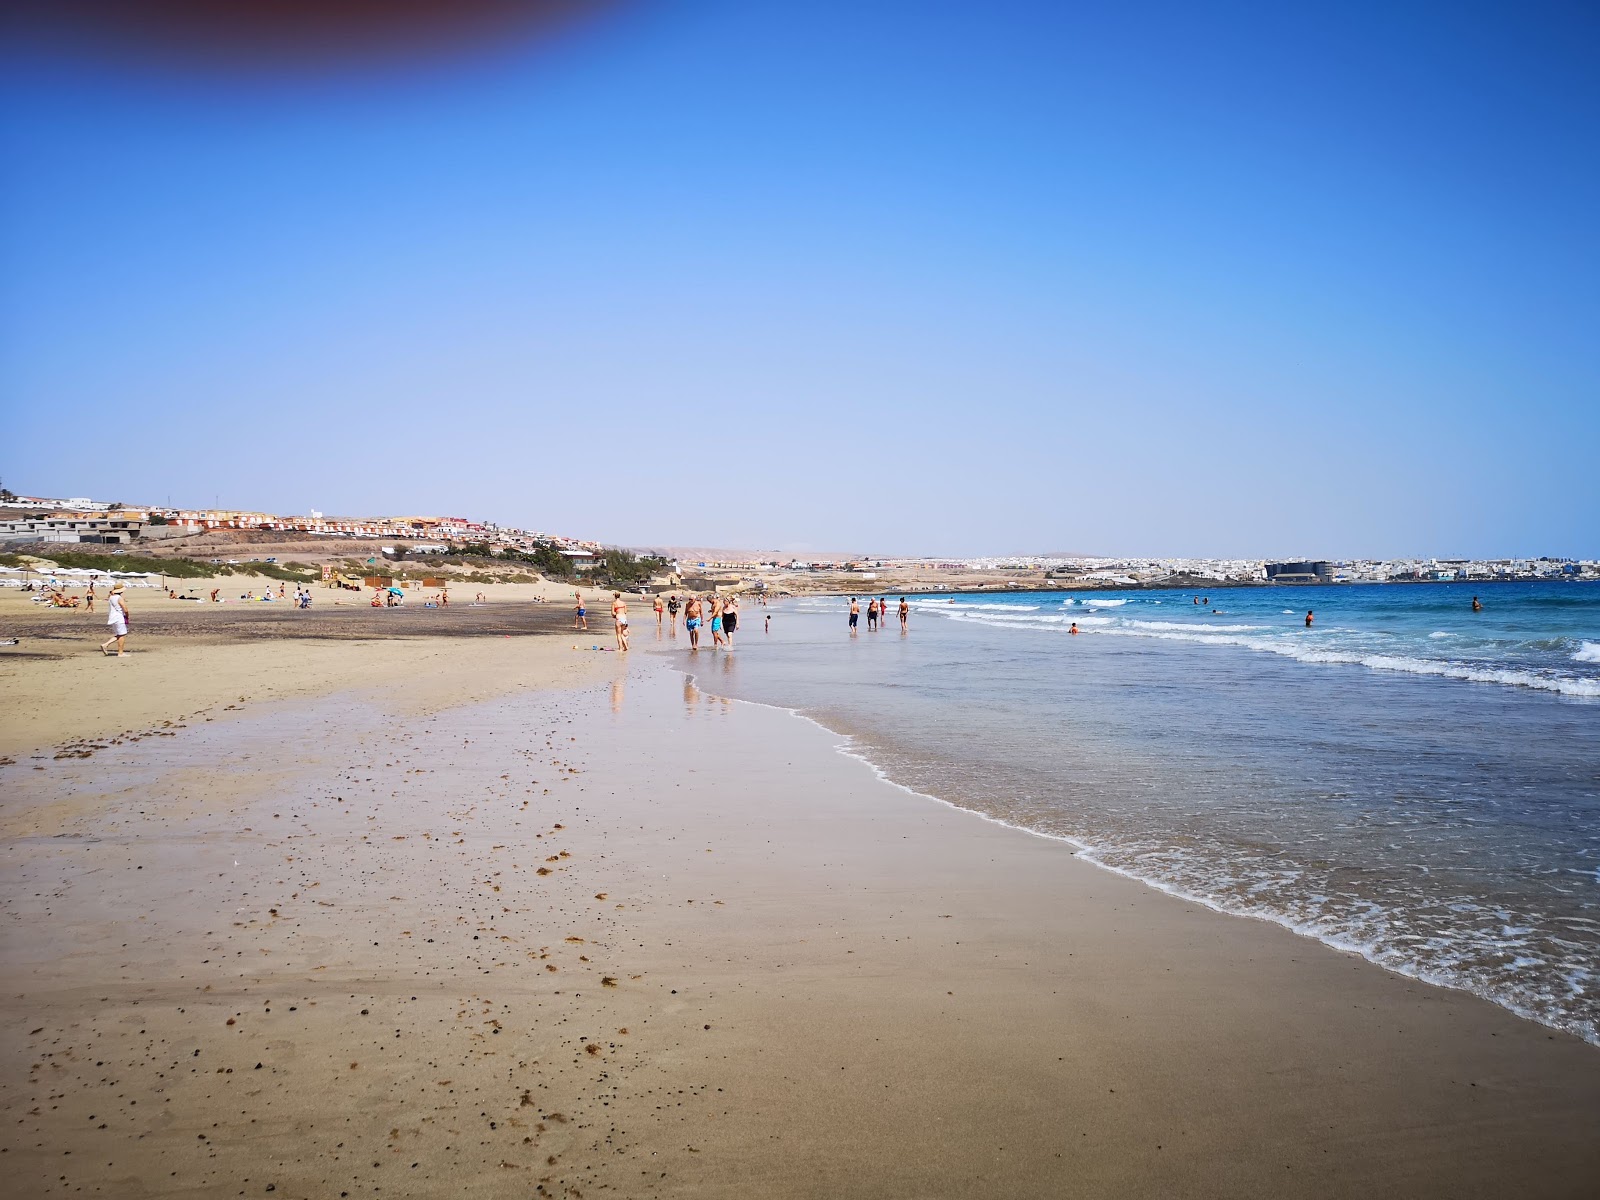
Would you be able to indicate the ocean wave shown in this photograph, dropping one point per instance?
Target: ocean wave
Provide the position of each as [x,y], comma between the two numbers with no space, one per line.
[1188,628]
[1588,652]
[1024,620]
[1441,634]
[1303,651]
[958,605]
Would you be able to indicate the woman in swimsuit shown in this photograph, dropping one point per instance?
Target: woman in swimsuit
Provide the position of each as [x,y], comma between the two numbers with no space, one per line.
[619,614]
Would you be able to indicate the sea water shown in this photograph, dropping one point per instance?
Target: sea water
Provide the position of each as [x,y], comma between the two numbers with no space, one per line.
[1406,778]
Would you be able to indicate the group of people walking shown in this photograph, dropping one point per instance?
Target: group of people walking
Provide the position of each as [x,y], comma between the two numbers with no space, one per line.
[716,613]
[878,613]
[719,613]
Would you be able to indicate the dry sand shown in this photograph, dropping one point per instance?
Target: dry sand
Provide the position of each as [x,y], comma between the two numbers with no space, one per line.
[185,658]
[592,931]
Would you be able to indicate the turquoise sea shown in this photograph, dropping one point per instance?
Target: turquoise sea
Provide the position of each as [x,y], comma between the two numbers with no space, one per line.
[1407,778]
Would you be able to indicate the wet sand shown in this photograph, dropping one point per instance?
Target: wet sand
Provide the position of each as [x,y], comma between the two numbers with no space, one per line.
[611,935]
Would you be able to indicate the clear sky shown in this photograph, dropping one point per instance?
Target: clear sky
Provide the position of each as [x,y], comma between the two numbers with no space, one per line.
[896,277]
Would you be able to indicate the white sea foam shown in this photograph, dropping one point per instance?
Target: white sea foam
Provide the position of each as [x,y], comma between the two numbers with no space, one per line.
[941,605]
[1439,633]
[1298,647]
[1192,628]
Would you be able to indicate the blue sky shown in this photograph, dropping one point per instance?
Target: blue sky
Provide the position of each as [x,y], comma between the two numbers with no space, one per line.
[895,278]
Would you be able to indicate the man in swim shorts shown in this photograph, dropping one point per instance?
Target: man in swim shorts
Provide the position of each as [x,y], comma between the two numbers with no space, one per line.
[855,613]
[691,621]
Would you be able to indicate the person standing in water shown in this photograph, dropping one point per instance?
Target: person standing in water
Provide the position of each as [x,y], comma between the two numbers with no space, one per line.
[905,614]
[1308,618]
[619,614]
[716,620]
[1477,605]
[117,620]
[730,618]
[855,614]
[691,620]
[872,615]
[660,610]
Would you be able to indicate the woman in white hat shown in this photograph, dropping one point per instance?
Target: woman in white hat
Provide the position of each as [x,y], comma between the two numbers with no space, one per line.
[117,619]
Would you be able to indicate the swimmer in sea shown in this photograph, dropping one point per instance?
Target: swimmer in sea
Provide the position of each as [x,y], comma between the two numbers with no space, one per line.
[1477,605]
[1074,628]
[1308,618]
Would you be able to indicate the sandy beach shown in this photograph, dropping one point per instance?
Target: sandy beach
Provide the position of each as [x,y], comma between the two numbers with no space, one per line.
[489,915]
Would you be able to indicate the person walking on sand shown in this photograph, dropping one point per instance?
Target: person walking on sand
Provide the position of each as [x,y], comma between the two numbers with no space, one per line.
[716,621]
[730,619]
[88,599]
[580,619]
[672,612]
[619,614]
[117,620]
[905,614]
[691,620]
[855,614]
[660,610]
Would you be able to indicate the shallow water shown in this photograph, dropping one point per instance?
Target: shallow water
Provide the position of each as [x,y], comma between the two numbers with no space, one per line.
[1437,810]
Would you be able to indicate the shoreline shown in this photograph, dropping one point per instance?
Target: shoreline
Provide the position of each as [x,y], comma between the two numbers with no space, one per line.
[871,971]
[847,746]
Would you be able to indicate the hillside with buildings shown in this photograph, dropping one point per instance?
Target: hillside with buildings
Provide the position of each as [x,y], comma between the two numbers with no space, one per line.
[240,537]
